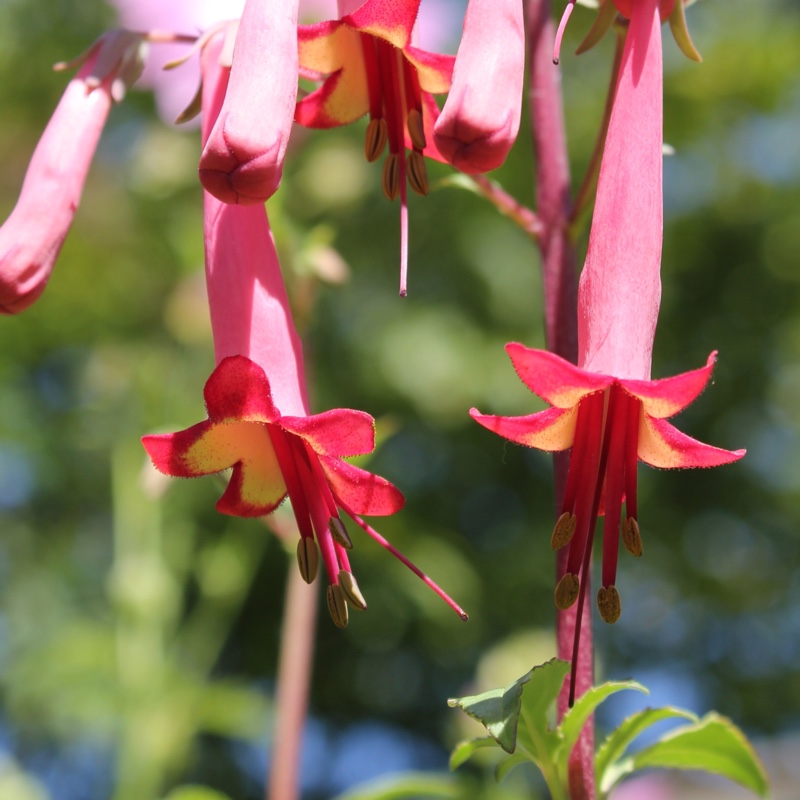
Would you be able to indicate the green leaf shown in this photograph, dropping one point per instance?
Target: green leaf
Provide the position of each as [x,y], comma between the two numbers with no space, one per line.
[508,763]
[575,718]
[464,750]
[712,744]
[401,787]
[618,740]
[497,710]
[195,793]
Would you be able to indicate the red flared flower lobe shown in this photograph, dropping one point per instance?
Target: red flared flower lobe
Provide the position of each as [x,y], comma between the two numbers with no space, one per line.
[480,118]
[271,456]
[242,161]
[609,424]
[32,236]
[372,67]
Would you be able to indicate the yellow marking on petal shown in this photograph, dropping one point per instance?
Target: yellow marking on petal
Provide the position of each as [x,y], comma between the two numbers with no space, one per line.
[566,592]
[417,174]
[608,600]
[375,140]
[416,130]
[351,590]
[307,558]
[631,537]
[339,533]
[245,443]
[391,176]
[337,607]
[563,531]
[327,53]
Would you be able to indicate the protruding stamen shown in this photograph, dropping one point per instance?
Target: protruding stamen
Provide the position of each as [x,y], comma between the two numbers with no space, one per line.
[567,591]
[417,174]
[376,138]
[608,603]
[337,607]
[631,537]
[391,176]
[561,27]
[339,533]
[416,130]
[563,530]
[351,590]
[307,558]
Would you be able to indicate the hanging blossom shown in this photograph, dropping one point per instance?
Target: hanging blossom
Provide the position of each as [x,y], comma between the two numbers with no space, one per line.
[607,409]
[32,236]
[258,421]
[671,11]
[242,160]
[372,67]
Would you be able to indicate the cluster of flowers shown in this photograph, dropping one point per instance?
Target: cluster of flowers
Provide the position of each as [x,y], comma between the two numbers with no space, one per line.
[606,409]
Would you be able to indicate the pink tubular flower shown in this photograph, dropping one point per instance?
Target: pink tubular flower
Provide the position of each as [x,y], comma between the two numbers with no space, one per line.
[32,236]
[480,119]
[373,67]
[607,409]
[242,161]
[258,422]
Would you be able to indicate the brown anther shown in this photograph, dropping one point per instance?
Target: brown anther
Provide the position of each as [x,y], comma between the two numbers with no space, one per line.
[337,607]
[416,130]
[608,603]
[307,558]
[631,537]
[375,140]
[563,530]
[567,591]
[339,532]
[351,590]
[391,176]
[417,174]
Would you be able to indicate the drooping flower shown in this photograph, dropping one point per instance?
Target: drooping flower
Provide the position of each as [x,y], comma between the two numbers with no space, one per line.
[32,236]
[607,410]
[242,160]
[372,67]
[671,11]
[480,118]
[258,419]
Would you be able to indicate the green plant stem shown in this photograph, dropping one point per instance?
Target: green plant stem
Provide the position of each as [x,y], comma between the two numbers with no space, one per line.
[294,679]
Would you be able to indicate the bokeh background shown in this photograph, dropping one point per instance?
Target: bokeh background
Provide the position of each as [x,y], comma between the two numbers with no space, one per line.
[139,628]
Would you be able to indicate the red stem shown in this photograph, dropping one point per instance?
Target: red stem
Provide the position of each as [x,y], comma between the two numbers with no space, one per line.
[561,330]
[294,678]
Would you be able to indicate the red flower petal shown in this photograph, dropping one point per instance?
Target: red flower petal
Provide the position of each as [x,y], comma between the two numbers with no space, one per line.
[663,445]
[392,20]
[667,396]
[338,432]
[238,390]
[551,430]
[359,490]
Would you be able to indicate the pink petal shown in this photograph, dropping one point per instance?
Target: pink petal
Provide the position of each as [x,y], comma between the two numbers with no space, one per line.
[551,430]
[480,119]
[667,396]
[359,490]
[338,432]
[663,445]
[250,314]
[392,20]
[242,161]
[238,389]
[31,237]
[555,380]
[620,286]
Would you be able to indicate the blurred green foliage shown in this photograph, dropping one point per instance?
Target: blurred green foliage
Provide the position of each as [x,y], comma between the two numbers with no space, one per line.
[139,628]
